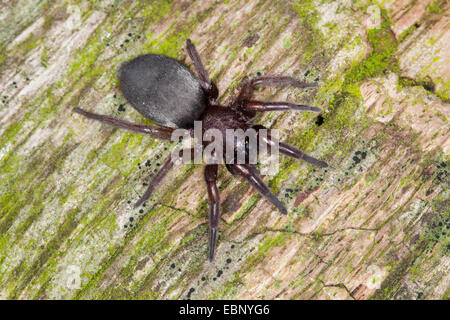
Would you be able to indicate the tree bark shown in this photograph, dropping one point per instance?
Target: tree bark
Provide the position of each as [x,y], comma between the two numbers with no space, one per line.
[374,225]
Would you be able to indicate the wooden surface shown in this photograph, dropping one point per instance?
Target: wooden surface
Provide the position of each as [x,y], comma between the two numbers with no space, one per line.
[375,224]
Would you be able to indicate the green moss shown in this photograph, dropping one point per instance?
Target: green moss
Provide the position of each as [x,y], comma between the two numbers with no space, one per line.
[229,289]
[381,58]
[405,34]
[438,229]
[287,42]
[263,250]
[27,45]
[312,37]
[3,57]
[155,11]
[114,155]
[429,85]
[372,177]
[436,7]
[443,89]
[202,209]
[343,122]
[9,133]
[44,57]
[48,108]
[51,249]
[426,82]
[248,206]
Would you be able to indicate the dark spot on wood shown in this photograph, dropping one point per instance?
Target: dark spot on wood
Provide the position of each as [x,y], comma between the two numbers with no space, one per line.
[191,290]
[142,263]
[319,120]
[303,195]
[250,40]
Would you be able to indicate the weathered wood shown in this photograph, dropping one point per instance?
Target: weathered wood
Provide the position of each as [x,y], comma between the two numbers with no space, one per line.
[375,224]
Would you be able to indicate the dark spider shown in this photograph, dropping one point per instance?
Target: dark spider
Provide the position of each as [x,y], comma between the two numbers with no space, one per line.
[164,90]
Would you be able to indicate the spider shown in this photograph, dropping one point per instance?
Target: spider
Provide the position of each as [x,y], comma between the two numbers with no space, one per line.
[165,90]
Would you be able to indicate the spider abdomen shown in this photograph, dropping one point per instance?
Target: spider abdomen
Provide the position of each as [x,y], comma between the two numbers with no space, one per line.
[163,90]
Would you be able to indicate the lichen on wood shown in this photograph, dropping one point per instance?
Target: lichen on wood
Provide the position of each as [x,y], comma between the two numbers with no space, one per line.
[374,225]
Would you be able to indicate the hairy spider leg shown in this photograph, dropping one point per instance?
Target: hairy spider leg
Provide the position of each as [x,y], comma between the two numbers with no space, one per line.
[248,86]
[288,150]
[157,132]
[156,179]
[195,57]
[214,214]
[250,173]
[208,86]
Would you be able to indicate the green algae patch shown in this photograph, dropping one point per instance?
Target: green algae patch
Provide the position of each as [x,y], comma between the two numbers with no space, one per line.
[436,7]
[91,67]
[247,207]
[381,58]
[263,250]
[230,289]
[308,16]
[9,133]
[428,84]
[405,34]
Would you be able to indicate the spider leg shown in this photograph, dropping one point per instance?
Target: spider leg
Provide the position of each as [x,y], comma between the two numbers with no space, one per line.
[157,132]
[231,169]
[213,194]
[259,106]
[248,86]
[195,57]
[288,150]
[156,179]
[205,82]
[250,173]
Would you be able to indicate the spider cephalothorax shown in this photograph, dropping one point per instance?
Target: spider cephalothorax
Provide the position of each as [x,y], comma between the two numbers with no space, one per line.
[165,91]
